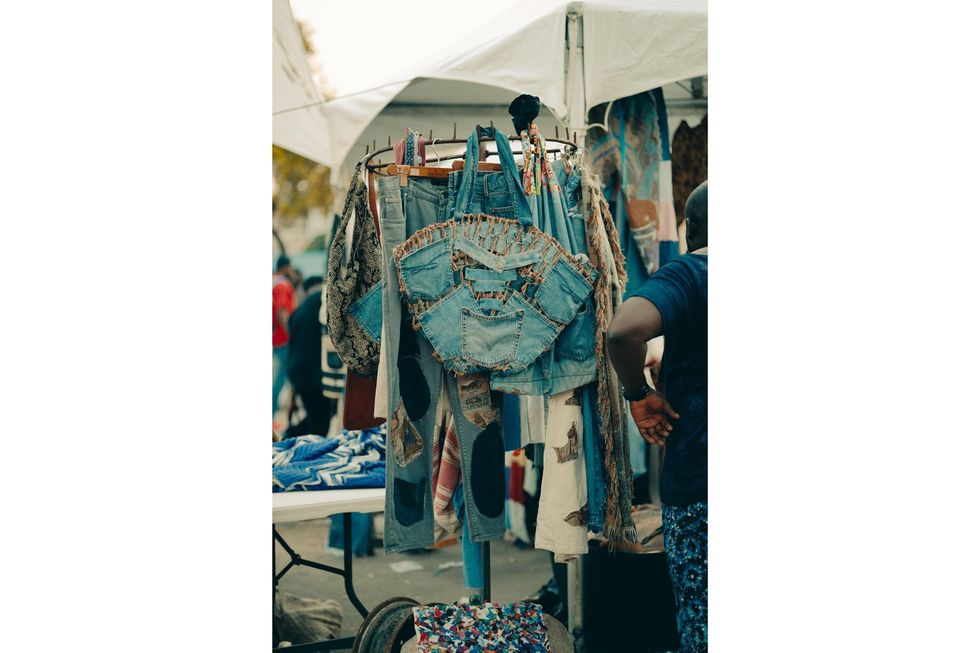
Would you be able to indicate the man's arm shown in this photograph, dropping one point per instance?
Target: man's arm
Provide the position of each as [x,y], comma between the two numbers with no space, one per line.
[637,321]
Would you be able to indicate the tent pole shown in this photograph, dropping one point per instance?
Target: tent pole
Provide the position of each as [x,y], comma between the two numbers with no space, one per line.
[575,70]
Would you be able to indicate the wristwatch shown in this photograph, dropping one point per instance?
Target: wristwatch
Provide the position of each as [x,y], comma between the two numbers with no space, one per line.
[640,394]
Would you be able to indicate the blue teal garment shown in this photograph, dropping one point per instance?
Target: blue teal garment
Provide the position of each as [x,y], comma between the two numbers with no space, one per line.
[570,363]
[594,458]
[686,545]
[669,249]
[639,142]
[360,533]
[679,290]
[511,180]
[472,552]
[510,421]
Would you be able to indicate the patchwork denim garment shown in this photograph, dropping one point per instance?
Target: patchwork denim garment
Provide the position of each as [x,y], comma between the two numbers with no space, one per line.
[571,362]
[490,293]
[415,382]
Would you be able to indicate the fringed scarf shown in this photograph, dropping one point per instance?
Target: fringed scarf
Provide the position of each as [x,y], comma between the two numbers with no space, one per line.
[607,257]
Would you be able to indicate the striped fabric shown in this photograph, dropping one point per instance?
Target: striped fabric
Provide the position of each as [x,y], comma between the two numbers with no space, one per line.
[446,469]
[315,462]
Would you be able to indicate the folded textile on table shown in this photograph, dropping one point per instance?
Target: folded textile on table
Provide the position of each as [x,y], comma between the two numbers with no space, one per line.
[314,462]
[511,627]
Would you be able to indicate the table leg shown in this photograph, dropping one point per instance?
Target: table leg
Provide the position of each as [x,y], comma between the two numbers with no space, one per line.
[349,565]
[347,572]
[275,581]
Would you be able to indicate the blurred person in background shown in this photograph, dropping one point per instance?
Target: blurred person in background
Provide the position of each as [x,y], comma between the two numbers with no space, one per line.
[283,305]
[303,362]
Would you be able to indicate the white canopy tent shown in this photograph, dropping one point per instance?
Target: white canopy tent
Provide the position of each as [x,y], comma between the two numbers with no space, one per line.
[303,131]
[573,55]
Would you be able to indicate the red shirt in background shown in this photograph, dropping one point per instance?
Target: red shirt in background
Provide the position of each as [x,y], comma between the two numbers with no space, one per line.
[283,297]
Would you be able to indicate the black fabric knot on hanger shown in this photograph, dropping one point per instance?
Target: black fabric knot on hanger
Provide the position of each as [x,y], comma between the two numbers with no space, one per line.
[524,109]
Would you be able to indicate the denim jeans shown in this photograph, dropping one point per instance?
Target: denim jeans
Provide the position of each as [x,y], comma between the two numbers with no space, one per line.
[279,377]
[415,382]
[409,520]
[592,443]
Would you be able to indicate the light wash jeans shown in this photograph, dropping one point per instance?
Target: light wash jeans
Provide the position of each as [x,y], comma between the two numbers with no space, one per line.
[415,381]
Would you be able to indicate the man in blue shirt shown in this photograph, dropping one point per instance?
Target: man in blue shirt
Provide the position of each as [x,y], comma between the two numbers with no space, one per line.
[674,303]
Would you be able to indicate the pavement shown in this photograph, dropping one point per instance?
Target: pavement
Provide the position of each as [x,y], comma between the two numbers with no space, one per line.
[515,572]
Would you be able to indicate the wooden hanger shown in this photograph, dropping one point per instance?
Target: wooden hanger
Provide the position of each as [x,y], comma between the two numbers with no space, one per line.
[483,166]
[404,172]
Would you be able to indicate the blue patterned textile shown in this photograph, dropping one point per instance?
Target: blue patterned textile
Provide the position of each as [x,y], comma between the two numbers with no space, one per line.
[686,542]
[353,459]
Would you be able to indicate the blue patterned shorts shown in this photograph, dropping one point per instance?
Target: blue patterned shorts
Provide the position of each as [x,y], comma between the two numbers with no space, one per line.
[686,542]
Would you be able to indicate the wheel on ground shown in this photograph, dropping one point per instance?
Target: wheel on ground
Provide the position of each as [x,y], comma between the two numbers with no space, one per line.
[389,625]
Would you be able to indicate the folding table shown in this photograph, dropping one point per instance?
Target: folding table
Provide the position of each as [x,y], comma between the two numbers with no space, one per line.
[300,506]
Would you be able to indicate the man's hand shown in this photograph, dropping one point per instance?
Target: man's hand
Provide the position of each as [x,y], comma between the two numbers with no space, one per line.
[652,415]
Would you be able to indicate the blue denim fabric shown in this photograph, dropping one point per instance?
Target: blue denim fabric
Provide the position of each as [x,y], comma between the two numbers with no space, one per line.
[415,380]
[593,445]
[524,325]
[510,421]
[409,522]
[505,189]
[571,362]
[366,311]
[360,533]
[472,552]
[557,301]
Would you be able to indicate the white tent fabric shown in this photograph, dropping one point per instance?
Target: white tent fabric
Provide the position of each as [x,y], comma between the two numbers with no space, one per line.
[633,47]
[573,55]
[303,131]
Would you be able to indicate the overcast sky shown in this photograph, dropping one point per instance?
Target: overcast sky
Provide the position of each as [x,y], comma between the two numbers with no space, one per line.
[360,42]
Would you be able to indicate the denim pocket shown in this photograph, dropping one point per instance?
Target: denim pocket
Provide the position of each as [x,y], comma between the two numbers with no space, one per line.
[427,272]
[537,334]
[390,203]
[577,340]
[491,341]
[424,204]
[441,325]
[366,311]
[499,198]
[563,292]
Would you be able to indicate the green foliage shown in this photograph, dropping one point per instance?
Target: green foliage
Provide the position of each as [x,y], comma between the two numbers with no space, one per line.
[317,244]
[300,184]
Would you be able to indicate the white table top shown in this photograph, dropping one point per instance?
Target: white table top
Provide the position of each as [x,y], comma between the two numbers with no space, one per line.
[298,506]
